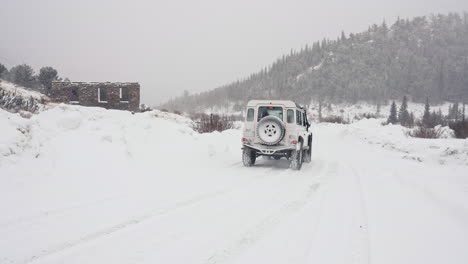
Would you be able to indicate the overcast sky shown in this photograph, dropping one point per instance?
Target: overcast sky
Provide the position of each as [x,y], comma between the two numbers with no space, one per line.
[172,46]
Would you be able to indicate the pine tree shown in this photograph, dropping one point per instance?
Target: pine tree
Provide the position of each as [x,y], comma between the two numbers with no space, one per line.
[455,111]
[440,118]
[411,120]
[23,75]
[46,76]
[434,118]
[403,114]
[3,69]
[392,119]
[320,112]
[463,113]
[426,121]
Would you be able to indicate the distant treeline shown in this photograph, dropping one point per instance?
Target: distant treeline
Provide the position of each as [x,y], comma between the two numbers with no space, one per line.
[24,75]
[425,57]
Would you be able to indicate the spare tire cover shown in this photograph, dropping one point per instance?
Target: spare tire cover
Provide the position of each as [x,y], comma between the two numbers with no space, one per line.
[270,130]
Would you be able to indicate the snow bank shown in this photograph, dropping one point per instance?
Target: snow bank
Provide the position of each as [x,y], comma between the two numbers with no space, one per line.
[68,134]
[446,150]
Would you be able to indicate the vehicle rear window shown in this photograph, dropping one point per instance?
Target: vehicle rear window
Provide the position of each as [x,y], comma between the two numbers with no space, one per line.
[250,114]
[290,116]
[270,111]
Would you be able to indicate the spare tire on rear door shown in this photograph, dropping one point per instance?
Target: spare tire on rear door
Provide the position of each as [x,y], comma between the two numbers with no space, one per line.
[270,130]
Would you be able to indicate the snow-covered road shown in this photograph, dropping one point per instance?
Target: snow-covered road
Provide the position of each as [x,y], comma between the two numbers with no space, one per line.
[115,188]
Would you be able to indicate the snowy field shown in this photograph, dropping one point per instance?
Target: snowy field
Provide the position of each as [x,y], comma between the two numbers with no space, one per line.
[88,185]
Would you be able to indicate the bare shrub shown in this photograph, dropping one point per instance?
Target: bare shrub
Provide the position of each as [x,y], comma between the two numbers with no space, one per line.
[177,112]
[425,132]
[369,115]
[334,119]
[13,103]
[208,123]
[460,128]
[145,108]
[365,115]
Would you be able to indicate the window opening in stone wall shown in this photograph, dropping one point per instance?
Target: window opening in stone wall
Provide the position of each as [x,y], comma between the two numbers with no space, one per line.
[123,95]
[102,95]
[74,96]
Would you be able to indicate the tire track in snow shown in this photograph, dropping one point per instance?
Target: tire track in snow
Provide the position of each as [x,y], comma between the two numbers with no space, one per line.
[254,234]
[251,236]
[55,212]
[145,217]
[361,241]
[124,225]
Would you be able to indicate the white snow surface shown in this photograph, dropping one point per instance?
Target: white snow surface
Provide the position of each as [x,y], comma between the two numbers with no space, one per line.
[89,185]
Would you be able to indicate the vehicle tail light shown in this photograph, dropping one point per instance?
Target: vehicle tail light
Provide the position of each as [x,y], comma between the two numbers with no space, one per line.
[294,142]
[244,140]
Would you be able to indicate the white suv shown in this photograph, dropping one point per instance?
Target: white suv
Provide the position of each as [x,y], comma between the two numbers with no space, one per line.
[276,129]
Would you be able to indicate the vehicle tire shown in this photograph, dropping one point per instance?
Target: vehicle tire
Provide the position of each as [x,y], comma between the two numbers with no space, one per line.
[297,158]
[308,152]
[277,157]
[270,130]
[248,157]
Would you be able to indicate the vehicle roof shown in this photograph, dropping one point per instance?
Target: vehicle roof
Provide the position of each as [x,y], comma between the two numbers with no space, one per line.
[286,103]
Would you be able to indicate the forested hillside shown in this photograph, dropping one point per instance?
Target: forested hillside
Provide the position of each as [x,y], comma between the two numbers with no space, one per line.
[422,57]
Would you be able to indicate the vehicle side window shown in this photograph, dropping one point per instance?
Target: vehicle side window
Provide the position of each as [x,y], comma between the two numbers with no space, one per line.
[250,114]
[290,116]
[298,117]
[303,119]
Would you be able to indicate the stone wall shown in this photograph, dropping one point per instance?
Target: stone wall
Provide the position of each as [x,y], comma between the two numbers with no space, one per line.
[86,94]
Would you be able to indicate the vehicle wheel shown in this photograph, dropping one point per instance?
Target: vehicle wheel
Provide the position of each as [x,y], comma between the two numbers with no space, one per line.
[308,152]
[248,157]
[306,156]
[297,158]
[277,157]
[270,130]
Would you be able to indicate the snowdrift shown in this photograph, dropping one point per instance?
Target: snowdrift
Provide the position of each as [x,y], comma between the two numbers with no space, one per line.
[91,138]
[394,138]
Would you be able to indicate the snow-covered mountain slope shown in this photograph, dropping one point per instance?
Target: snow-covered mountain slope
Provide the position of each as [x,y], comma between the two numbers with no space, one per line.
[89,185]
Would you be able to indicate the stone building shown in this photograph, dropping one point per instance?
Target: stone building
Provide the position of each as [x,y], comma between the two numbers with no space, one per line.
[110,95]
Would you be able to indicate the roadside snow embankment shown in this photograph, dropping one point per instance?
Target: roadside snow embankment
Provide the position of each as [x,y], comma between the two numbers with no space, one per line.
[96,135]
[445,150]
